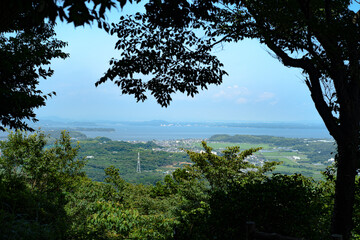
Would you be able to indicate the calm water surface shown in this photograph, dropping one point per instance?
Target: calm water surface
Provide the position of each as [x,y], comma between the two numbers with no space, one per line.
[146,133]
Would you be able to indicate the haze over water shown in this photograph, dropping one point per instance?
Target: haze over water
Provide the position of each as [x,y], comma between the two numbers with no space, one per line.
[147,133]
[163,130]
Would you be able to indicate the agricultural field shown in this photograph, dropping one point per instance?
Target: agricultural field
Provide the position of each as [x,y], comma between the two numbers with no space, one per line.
[306,156]
[158,158]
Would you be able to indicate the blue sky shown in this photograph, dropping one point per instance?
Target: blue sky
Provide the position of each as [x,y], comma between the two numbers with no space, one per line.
[258,87]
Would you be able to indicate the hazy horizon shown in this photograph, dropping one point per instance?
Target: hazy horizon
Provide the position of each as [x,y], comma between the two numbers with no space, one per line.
[87,120]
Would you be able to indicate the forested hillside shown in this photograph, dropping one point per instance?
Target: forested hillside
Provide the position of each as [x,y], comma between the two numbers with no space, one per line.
[158,158]
[45,194]
[102,152]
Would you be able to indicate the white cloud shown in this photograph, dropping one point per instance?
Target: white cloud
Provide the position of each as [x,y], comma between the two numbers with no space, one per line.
[242,95]
[241,100]
[235,86]
[220,94]
[274,102]
[232,92]
[265,96]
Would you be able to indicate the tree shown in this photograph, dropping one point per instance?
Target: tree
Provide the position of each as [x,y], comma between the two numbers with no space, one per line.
[34,183]
[24,58]
[27,45]
[229,169]
[25,14]
[221,193]
[321,37]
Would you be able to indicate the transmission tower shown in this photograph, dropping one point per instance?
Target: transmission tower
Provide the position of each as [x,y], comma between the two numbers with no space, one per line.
[138,168]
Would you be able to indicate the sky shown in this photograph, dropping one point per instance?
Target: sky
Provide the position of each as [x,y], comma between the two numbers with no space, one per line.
[258,88]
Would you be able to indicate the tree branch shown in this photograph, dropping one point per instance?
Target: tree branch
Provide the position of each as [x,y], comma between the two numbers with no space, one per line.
[286,59]
[328,42]
[313,83]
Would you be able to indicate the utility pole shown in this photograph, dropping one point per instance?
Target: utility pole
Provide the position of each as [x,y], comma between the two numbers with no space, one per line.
[138,167]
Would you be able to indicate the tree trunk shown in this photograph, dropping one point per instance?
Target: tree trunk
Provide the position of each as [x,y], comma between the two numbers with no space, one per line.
[347,158]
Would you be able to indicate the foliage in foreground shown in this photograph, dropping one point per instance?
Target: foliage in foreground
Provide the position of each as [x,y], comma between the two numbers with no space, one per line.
[45,195]
[25,59]
[34,183]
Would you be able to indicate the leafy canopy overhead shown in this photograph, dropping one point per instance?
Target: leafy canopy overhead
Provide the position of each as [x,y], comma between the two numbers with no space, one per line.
[24,14]
[27,45]
[25,59]
[175,58]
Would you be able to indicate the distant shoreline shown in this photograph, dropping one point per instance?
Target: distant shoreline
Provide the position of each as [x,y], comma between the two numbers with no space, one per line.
[162,130]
